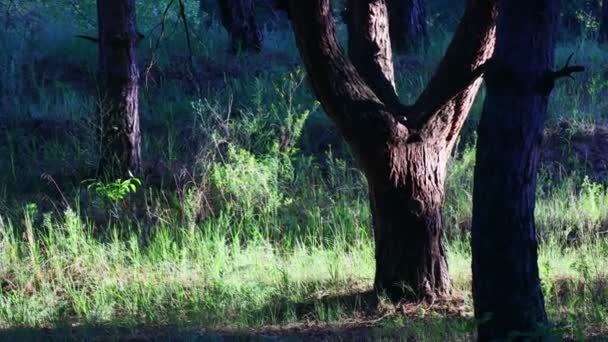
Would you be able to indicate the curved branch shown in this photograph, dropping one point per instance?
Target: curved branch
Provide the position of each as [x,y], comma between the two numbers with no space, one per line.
[459,70]
[344,95]
[545,84]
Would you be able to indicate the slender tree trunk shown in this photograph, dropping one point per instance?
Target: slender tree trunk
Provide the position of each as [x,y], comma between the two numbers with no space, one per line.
[207,11]
[238,18]
[401,149]
[119,76]
[407,24]
[506,288]
[604,23]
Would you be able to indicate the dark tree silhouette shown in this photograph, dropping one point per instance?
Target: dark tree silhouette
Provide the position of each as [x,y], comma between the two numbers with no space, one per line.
[207,11]
[402,150]
[119,76]
[506,287]
[408,26]
[604,23]
[238,18]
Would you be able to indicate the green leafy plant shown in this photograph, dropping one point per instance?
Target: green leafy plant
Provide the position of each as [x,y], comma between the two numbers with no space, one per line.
[115,191]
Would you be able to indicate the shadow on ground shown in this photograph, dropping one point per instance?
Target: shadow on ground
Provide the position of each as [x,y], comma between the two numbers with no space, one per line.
[366,319]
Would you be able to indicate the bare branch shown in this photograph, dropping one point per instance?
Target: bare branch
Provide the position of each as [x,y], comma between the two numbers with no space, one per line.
[162,24]
[182,14]
[547,83]
[88,38]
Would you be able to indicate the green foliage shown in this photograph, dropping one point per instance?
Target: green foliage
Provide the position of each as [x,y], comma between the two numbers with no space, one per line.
[246,182]
[115,191]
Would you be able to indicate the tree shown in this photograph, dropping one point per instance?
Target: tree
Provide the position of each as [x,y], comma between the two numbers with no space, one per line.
[402,150]
[408,28]
[506,287]
[206,12]
[119,77]
[238,18]
[604,23]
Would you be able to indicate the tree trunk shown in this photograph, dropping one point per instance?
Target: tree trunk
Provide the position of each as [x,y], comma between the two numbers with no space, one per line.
[119,76]
[207,11]
[407,24]
[238,18]
[402,150]
[506,288]
[604,23]
[411,260]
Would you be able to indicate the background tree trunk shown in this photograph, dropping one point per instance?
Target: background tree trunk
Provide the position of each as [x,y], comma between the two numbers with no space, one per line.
[238,18]
[407,24]
[207,11]
[604,23]
[401,149]
[119,76]
[506,287]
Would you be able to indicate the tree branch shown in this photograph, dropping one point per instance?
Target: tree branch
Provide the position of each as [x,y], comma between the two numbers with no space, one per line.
[152,61]
[342,92]
[182,14]
[369,47]
[460,68]
[547,83]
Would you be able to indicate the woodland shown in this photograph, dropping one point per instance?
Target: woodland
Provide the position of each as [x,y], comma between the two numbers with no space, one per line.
[369,170]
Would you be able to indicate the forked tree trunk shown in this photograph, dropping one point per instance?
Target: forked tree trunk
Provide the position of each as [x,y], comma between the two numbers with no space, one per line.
[506,287]
[401,149]
[407,24]
[119,77]
[604,23]
[238,18]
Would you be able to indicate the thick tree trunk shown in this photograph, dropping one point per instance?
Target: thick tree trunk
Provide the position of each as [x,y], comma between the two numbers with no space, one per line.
[603,37]
[119,76]
[407,24]
[506,287]
[411,260]
[401,149]
[238,18]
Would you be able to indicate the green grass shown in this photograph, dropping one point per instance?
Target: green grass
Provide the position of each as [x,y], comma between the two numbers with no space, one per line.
[247,267]
[252,214]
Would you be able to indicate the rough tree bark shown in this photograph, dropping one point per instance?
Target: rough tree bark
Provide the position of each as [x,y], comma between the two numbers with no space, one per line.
[506,287]
[368,30]
[408,28]
[604,23]
[238,18]
[402,150]
[119,77]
